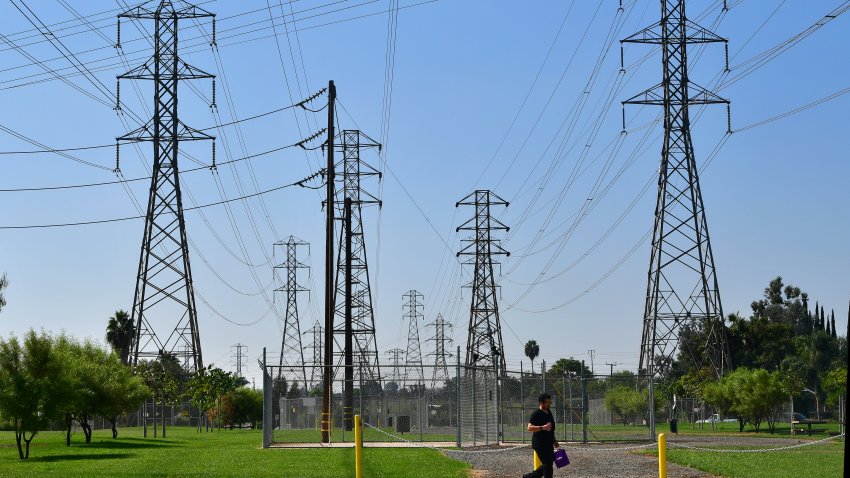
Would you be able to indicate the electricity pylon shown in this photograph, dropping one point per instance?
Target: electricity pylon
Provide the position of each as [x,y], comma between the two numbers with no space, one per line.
[164,299]
[440,339]
[239,357]
[317,333]
[354,317]
[291,350]
[484,344]
[395,364]
[352,268]
[683,310]
[413,370]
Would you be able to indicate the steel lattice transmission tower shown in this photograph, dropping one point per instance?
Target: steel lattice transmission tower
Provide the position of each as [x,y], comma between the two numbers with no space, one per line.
[440,339]
[164,311]
[683,310]
[484,346]
[395,364]
[291,349]
[414,372]
[317,333]
[353,293]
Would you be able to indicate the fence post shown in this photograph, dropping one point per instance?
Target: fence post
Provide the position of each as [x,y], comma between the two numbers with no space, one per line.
[584,403]
[651,404]
[564,400]
[420,393]
[521,400]
[457,396]
[268,428]
[543,376]
[499,426]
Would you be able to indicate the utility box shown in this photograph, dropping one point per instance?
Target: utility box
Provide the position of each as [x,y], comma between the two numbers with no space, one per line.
[402,423]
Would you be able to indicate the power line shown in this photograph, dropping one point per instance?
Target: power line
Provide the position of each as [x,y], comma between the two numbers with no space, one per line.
[107,183]
[120,219]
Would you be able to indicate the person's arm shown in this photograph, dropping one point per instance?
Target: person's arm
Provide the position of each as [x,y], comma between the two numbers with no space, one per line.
[537,428]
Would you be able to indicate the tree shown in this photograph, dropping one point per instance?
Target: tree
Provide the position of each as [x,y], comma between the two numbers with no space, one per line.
[33,381]
[568,365]
[754,395]
[122,393]
[835,385]
[3,284]
[120,332]
[532,350]
[626,402]
[243,405]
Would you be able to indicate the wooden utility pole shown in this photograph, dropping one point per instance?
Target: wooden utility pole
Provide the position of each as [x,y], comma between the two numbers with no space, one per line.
[327,373]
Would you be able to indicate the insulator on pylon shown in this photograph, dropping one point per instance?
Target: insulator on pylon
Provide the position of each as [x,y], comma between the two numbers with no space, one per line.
[213,105]
[624,118]
[213,43]
[117,94]
[213,167]
[728,118]
[727,58]
[622,64]
[118,36]
[117,159]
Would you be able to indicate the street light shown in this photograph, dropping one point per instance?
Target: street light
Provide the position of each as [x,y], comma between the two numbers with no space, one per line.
[817,402]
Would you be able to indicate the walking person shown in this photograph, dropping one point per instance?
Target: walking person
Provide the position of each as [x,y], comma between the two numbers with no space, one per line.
[543,442]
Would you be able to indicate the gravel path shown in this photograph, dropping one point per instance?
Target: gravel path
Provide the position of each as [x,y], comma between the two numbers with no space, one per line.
[593,461]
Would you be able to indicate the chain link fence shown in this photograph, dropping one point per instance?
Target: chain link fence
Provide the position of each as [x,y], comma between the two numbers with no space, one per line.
[465,406]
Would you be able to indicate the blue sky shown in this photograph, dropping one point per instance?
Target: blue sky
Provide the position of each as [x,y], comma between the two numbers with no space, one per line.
[479,90]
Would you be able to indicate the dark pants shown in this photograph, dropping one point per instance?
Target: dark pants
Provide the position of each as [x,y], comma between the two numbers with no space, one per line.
[547,458]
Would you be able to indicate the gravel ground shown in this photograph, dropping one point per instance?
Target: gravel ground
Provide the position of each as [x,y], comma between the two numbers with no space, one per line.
[593,461]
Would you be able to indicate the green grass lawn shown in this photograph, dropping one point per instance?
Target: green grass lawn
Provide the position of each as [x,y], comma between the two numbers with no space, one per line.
[823,459]
[227,453]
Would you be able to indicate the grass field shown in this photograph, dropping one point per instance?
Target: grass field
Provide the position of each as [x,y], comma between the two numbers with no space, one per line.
[227,453]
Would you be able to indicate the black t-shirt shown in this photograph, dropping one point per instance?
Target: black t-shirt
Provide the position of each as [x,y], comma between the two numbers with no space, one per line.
[542,438]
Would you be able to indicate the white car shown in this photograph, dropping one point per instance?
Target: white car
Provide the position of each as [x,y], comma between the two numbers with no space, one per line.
[716,419]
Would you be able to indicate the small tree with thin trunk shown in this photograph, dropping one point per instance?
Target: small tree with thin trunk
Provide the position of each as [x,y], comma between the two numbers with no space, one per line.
[33,386]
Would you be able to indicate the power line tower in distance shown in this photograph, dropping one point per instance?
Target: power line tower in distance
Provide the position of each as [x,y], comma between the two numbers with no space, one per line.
[164,311]
[291,349]
[440,354]
[414,373]
[395,361]
[239,354]
[317,333]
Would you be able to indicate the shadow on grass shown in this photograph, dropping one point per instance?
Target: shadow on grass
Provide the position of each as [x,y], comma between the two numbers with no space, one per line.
[127,444]
[100,456]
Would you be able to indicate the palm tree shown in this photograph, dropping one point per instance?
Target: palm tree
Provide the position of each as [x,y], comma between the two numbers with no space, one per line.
[532,350]
[120,333]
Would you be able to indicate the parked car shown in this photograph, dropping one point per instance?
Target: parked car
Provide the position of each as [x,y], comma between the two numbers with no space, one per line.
[716,419]
[798,417]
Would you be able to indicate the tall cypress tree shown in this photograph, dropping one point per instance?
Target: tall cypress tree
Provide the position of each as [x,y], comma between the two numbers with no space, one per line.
[822,318]
[815,317]
[834,333]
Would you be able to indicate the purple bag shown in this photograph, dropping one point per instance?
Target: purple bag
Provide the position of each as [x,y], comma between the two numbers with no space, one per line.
[561,459]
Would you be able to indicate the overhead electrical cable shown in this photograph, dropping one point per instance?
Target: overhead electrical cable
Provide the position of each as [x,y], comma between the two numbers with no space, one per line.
[130,218]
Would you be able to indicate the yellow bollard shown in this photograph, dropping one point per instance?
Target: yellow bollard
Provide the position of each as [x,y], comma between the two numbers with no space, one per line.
[662,456]
[358,448]
[537,461]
